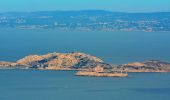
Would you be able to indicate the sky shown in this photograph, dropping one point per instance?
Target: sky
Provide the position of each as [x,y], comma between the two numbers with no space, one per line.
[111,5]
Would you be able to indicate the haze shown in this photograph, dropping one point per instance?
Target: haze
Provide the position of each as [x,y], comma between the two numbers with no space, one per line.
[111,5]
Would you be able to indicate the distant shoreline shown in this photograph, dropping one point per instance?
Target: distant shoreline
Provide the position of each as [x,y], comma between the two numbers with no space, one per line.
[50,29]
[87,20]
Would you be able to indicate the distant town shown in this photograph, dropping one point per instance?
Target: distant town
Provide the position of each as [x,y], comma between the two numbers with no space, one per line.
[87,20]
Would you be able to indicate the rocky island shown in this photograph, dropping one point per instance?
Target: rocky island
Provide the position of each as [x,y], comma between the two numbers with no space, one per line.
[101,72]
[85,64]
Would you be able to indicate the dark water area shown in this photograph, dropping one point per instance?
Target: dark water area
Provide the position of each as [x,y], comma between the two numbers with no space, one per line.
[112,47]
[63,85]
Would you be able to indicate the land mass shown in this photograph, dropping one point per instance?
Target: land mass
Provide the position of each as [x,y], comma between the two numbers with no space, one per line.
[85,64]
[87,20]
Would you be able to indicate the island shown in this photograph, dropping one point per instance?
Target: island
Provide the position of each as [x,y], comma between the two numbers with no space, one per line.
[100,72]
[84,65]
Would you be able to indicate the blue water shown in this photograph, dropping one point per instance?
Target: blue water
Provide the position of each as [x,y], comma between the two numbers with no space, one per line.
[62,85]
[112,47]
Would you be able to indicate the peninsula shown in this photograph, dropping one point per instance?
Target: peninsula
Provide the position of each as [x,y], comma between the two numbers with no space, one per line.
[85,64]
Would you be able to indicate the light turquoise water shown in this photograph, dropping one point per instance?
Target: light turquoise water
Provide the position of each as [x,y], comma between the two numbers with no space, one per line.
[60,85]
[113,47]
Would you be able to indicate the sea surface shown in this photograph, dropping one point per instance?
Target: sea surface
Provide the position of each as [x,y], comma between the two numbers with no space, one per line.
[112,47]
[63,85]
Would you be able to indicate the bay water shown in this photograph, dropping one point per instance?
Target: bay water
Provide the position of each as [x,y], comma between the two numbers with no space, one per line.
[112,47]
[63,85]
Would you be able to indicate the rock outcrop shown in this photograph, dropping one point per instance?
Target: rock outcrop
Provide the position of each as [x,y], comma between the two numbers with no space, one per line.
[104,74]
[7,65]
[61,61]
[148,66]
